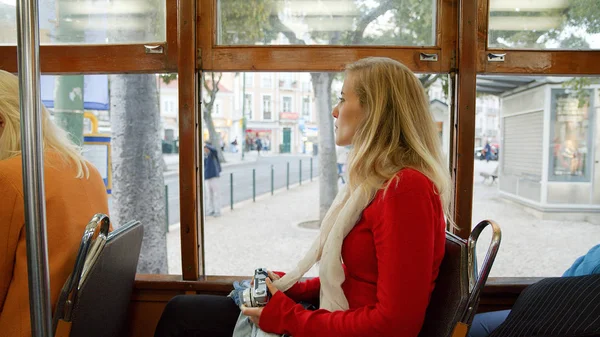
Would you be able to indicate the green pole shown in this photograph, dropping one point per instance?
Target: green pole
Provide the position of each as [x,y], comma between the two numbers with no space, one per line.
[272,179]
[68,106]
[311,168]
[243,140]
[231,189]
[254,185]
[68,90]
[300,167]
[167,206]
[287,176]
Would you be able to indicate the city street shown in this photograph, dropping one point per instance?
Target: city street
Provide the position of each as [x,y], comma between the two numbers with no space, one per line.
[242,179]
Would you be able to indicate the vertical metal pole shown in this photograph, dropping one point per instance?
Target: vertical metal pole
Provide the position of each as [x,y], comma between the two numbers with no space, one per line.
[167,205]
[311,168]
[254,185]
[33,168]
[272,179]
[231,189]
[300,167]
[287,176]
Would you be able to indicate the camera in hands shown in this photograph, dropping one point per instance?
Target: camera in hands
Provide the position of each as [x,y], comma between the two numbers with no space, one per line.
[258,294]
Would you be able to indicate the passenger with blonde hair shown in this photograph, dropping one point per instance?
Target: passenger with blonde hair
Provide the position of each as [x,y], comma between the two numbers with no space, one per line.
[382,241]
[74,192]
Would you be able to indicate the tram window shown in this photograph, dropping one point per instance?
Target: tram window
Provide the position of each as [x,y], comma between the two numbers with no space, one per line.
[91,22]
[130,133]
[535,141]
[569,25]
[287,133]
[310,22]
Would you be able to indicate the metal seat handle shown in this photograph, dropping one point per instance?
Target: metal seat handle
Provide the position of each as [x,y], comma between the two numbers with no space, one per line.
[98,227]
[477,280]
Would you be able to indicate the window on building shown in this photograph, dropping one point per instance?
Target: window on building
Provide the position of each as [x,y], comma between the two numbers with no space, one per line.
[248,106]
[286,80]
[267,107]
[249,77]
[287,104]
[306,85]
[306,106]
[266,80]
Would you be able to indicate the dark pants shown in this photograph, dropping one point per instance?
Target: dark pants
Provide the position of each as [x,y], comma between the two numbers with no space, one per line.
[198,316]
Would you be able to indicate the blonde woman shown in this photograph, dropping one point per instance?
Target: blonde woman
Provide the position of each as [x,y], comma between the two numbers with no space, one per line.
[74,192]
[382,241]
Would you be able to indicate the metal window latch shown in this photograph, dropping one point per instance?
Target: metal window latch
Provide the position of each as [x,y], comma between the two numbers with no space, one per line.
[154,49]
[496,57]
[428,57]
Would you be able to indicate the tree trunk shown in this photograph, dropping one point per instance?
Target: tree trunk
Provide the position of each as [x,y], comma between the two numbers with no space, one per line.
[213,136]
[138,184]
[327,159]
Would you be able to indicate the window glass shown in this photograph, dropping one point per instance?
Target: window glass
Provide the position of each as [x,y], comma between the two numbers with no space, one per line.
[556,24]
[134,144]
[265,217]
[90,21]
[523,125]
[316,22]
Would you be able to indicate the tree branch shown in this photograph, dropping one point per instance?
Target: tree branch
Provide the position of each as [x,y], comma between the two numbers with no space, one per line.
[211,90]
[428,80]
[367,19]
[278,26]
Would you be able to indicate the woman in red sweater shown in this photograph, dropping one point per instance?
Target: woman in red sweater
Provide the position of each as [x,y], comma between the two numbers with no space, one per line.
[381,242]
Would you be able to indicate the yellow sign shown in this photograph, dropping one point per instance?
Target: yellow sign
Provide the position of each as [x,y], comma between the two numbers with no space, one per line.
[96,150]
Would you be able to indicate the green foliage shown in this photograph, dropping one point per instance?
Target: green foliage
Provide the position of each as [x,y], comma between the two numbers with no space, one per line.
[585,14]
[579,87]
[168,78]
[579,16]
[245,21]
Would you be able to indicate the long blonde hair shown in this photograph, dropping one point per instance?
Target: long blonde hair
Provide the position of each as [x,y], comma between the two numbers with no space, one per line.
[53,137]
[398,130]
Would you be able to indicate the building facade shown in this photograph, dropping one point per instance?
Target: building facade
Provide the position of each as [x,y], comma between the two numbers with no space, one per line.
[550,147]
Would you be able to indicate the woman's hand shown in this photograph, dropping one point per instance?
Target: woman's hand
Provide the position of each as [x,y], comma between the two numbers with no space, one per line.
[254,313]
[272,276]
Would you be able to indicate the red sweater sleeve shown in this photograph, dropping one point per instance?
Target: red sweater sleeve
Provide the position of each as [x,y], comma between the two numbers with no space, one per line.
[404,244]
[303,291]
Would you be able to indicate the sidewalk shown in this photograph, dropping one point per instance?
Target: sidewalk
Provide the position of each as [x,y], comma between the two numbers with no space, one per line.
[266,234]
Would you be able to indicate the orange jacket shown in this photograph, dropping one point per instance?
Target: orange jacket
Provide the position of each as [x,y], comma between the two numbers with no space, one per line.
[70,204]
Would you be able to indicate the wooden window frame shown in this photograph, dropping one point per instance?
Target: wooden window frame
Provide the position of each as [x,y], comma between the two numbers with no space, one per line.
[280,58]
[531,62]
[105,59]
[188,21]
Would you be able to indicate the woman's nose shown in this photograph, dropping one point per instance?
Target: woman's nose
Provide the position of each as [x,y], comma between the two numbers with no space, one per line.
[335,112]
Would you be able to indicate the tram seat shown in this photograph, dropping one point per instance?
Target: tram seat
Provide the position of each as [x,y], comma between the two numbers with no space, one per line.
[95,299]
[455,297]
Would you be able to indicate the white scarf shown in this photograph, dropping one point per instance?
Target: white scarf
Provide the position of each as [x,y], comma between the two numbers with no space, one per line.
[343,214]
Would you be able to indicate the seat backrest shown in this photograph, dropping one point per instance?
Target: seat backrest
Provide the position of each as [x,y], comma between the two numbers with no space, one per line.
[451,293]
[102,302]
[455,297]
